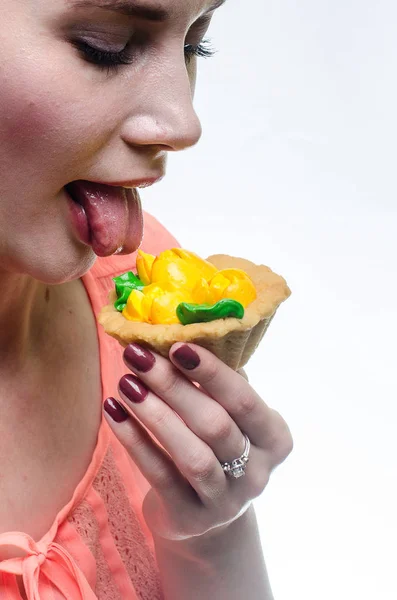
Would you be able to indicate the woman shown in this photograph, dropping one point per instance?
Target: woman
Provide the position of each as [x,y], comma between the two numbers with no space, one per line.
[93,95]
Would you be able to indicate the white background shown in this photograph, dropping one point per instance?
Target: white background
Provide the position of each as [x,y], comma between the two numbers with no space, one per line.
[296,169]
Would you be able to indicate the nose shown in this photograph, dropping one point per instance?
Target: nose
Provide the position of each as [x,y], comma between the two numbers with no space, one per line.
[163,114]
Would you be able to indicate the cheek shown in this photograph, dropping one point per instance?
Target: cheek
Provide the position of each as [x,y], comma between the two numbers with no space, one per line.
[46,126]
[26,122]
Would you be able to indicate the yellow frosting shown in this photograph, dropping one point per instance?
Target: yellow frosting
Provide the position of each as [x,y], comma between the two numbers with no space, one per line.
[177,276]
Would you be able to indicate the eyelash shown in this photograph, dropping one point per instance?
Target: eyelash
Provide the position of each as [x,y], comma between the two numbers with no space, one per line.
[202,50]
[111,60]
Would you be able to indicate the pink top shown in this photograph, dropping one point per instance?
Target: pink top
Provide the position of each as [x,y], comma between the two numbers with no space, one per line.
[99,546]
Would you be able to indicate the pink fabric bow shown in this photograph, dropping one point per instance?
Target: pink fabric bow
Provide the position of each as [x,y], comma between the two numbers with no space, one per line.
[45,568]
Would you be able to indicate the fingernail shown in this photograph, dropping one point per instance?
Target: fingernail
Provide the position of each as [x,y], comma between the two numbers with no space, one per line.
[139,358]
[115,410]
[187,357]
[133,389]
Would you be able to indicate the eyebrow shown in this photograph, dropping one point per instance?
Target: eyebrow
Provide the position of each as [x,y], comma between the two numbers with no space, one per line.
[133,8]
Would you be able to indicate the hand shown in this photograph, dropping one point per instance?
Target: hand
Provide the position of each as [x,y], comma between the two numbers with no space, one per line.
[178,434]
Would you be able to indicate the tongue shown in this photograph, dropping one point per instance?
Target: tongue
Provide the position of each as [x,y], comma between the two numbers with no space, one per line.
[107,212]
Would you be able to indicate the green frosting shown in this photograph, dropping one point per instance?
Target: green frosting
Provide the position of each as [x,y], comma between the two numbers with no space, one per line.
[203,313]
[124,286]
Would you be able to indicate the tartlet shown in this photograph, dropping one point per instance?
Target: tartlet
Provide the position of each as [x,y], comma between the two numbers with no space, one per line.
[232,340]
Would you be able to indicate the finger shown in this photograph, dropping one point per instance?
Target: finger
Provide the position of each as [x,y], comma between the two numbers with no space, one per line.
[153,462]
[229,389]
[243,373]
[192,456]
[201,413]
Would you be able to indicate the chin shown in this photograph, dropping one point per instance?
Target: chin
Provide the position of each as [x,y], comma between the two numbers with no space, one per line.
[59,267]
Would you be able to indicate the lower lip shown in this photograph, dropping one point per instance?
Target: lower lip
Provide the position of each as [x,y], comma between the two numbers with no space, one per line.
[79,220]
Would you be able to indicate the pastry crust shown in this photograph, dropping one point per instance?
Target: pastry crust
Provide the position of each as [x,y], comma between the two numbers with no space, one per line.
[232,340]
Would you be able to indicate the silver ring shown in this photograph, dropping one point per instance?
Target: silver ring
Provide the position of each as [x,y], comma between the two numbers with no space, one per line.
[236,468]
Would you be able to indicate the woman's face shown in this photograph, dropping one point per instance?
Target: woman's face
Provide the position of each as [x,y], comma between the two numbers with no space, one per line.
[90,91]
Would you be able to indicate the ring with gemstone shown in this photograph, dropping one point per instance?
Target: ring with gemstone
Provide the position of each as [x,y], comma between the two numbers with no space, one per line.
[236,468]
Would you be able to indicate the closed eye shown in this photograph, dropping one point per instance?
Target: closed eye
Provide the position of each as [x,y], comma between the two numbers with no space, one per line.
[103,58]
[107,59]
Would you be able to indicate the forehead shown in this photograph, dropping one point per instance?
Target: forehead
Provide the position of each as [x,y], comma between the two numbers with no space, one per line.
[154,10]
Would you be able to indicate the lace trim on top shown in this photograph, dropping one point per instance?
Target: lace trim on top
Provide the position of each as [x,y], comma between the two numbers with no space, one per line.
[126,531]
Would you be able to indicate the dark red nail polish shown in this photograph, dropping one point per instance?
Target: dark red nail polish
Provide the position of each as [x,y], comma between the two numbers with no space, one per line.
[115,410]
[186,357]
[133,389]
[139,358]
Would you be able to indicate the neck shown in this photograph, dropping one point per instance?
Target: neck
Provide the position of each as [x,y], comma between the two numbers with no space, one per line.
[25,306]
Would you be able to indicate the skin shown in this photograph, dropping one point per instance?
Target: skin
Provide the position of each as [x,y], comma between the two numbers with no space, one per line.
[66,119]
